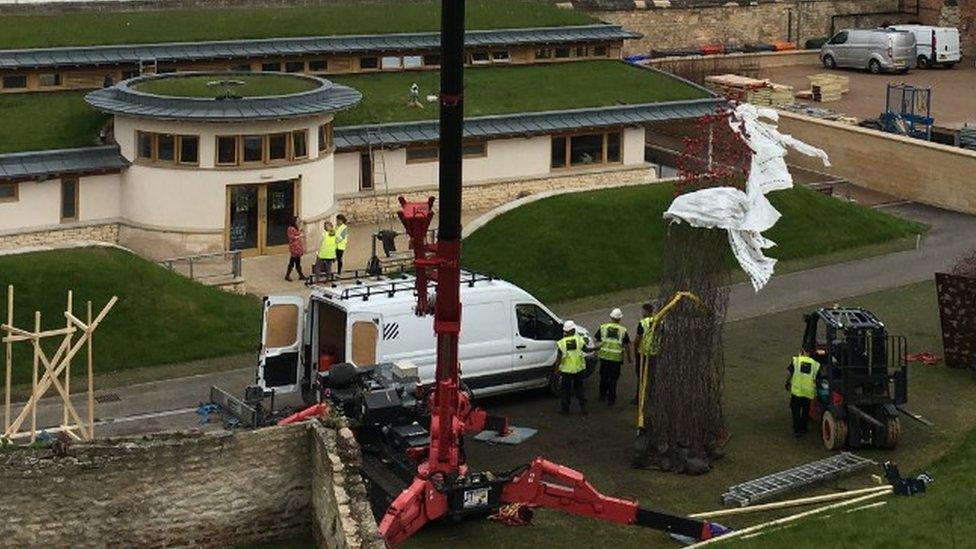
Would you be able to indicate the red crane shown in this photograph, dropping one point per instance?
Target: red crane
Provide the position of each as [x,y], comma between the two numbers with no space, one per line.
[443,486]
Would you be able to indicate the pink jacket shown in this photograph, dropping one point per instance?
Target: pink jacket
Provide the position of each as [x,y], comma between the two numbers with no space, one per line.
[296,242]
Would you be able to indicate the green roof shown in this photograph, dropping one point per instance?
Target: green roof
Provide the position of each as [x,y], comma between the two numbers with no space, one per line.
[58,120]
[505,90]
[95,28]
[214,85]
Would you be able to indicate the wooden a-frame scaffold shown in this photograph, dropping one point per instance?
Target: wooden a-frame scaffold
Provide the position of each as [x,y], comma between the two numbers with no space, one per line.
[57,369]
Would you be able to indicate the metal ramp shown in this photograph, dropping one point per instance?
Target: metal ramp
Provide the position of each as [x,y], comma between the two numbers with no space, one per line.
[774,484]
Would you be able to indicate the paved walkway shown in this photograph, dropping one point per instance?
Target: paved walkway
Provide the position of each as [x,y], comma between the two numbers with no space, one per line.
[171,403]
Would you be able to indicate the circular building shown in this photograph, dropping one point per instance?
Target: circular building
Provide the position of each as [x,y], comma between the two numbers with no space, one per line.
[222,161]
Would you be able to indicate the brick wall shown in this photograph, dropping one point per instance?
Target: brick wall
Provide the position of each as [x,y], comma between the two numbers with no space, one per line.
[674,27]
[489,195]
[99,233]
[184,490]
[952,13]
[911,169]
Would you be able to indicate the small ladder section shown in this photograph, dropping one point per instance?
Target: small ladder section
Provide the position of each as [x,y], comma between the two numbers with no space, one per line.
[377,163]
[814,472]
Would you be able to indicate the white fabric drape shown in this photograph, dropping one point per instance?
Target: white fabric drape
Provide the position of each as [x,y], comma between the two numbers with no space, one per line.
[745,215]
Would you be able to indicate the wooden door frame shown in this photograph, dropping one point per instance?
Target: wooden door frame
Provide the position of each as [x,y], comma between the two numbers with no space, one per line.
[262,247]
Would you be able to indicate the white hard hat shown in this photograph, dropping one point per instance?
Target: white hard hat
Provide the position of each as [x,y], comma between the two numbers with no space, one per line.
[569,326]
[616,314]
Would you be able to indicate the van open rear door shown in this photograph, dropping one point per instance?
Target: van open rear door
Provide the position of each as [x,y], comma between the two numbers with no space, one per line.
[279,360]
[364,338]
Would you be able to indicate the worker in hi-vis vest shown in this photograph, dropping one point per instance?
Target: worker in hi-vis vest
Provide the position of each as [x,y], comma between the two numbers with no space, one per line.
[342,240]
[802,385]
[647,344]
[327,251]
[614,348]
[571,366]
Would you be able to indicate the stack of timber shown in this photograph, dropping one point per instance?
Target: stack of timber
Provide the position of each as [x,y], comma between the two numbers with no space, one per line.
[825,87]
[750,90]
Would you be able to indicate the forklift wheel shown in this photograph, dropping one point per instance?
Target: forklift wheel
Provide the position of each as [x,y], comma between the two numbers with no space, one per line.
[834,431]
[892,432]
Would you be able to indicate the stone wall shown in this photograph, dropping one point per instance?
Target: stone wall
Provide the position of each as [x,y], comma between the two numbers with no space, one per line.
[911,169]
[681,27]
[108,232]
[952,13]
[187,490]
[484,196]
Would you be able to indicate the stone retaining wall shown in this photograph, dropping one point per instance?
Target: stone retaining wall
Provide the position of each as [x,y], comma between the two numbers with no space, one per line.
[484,196]
[108,232]
[188,490]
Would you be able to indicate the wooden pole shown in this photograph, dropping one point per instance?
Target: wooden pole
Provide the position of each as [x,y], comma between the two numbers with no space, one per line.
[789,503]
[9,359]
[788,519]
[91,380]
[67,368]
[37,354]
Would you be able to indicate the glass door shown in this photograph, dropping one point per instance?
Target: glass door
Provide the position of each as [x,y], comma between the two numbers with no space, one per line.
[279,210]
[242,231]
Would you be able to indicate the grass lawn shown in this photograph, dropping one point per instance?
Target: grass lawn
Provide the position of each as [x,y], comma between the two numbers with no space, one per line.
[255,85]
[160,318]
[92,28]
[531,247]
[498,90]
[48,120]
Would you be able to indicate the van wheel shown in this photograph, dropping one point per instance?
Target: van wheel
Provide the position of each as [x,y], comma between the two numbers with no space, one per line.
[555,384]
[833,431]
[923,62]
[874,66]
[828,61]
[892,433]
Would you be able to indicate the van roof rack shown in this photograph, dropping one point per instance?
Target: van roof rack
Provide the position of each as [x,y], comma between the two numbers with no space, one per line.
[388,285]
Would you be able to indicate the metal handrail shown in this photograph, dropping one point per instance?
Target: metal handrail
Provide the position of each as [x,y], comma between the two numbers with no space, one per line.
[236,264]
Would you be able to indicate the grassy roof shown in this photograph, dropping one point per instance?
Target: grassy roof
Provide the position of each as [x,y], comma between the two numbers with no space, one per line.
[93,28]
[60,120]
[254,85]
[501,90]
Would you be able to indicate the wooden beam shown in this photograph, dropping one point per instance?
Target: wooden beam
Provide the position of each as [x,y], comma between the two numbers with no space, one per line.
[9,358]
[788,503]
[37,350]
[67,369]
[91,382]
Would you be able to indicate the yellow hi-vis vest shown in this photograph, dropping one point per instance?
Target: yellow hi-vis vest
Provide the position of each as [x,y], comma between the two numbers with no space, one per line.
[342,237]
[612,342]
[804,381]
[573,361]
[649,344]
[327,250]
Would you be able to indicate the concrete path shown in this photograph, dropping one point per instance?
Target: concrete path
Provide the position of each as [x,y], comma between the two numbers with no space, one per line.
[172,403]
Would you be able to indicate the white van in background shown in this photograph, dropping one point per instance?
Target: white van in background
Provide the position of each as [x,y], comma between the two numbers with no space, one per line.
[508,338]
[934,45]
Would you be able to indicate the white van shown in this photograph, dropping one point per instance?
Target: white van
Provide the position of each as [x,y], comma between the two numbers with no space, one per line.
[874,49]
[508,338]
[934,45]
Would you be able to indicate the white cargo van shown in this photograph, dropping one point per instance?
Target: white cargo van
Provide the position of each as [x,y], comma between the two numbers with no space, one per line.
[934,45]
[874,49]
[508,338]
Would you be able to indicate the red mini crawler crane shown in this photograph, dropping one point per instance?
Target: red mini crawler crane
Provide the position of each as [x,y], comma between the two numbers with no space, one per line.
[443,485]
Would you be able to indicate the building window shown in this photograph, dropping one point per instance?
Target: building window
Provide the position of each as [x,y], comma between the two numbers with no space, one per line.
[543,53]
[432,60]
[227,150]
[413,61]
[475,150]
[368,63]
[189,149]
[480,58]
[130,73]
[299,144]
[241,67]
[427,153]
[325,137]
[14,81]
[599,51]
[252,148]
[271,67]
[277,147]
[295,66]
[391,63]
[365,172]
[562,53]
[580,51]
[8,192]
[69,199]
[318,65]
[165,147]
[50,79]
[500,57]
[144,145]
[586,149]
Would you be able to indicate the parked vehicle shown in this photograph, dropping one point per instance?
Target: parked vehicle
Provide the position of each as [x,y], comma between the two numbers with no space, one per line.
[874,49]
[934,45]
[508,337]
